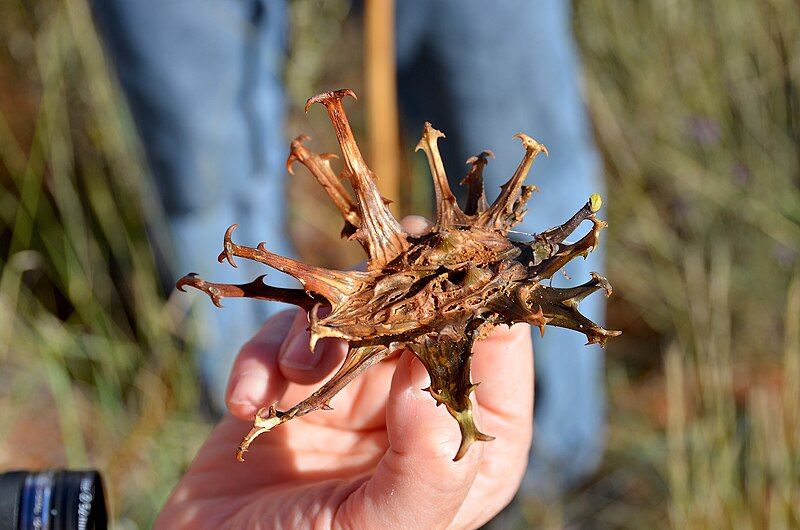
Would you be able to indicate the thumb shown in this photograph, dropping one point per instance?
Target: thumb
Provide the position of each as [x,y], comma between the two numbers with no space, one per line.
[418,467]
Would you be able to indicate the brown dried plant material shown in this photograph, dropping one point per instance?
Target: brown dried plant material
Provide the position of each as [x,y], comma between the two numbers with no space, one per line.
[433,294]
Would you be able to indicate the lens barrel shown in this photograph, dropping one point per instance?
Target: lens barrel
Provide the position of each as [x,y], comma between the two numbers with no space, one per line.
[52,500]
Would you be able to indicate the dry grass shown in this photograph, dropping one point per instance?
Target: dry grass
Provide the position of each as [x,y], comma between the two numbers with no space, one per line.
[696,108]
[94,371]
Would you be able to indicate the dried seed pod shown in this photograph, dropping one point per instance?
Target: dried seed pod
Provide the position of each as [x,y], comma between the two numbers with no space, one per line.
[433,294]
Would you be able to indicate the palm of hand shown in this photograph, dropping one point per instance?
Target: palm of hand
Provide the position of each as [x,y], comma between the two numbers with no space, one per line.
[378,460]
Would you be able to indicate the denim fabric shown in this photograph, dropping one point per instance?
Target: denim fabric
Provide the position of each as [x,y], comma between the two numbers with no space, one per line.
[203,81]
[481,74]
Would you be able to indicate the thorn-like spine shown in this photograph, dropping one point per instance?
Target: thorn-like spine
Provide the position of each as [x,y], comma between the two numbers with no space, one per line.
[227,247]
[380,233]
[448,212]
[500,214]
[476,194]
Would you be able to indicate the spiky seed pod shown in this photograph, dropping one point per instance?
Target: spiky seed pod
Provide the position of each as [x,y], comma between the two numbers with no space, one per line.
[433,294]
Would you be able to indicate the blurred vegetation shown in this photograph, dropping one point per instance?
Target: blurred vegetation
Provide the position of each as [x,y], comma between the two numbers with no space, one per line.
[94,370]
[696,108]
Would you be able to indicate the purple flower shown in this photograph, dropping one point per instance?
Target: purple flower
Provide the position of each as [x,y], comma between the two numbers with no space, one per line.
[740,175]
[784,255]
[704,130]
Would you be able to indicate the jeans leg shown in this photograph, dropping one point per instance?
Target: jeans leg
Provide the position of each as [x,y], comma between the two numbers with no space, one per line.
[192,73]
[481,75]
[262,200]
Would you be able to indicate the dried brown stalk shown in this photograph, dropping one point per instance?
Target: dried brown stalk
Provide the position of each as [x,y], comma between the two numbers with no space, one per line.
[433,294]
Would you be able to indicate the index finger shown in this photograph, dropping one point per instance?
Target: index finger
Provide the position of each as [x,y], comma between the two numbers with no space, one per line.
[255,378]
[503,365]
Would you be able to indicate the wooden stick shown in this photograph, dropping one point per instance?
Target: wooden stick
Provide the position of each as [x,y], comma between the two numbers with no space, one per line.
[381,84]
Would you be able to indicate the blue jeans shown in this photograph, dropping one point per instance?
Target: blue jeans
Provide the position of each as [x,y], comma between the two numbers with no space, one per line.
[203,81]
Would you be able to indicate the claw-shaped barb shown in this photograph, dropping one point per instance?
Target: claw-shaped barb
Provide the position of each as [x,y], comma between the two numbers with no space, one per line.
[256,289]
[446,356]
[326,98]
[563,253]
[193,280]
[447,211]
[380,233]
[227,247]
[476,194]
[357,360]
[560,233]
[260,426]
[433,294]
[501,214]
[333,285]
[559,307]
[537,320]
[320,167]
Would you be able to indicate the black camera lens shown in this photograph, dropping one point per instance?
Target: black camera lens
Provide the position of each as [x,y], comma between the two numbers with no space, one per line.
[52,500]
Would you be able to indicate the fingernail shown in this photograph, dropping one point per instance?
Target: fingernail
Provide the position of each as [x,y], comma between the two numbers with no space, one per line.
[416,225]
[418,376]
[298,355]
[250,388]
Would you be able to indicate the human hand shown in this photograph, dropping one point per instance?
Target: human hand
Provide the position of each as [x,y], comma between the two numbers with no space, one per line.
[381,459]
